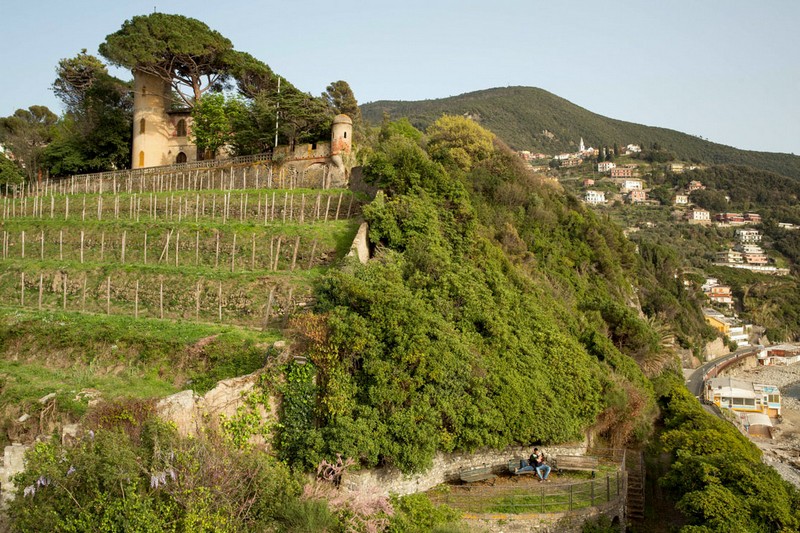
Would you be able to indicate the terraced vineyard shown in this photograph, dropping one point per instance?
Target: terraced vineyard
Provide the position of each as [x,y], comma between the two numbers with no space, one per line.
[232,245]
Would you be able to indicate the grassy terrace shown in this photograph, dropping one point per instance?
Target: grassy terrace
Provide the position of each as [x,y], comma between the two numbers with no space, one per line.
[140,295]
[83,356]
[568,492]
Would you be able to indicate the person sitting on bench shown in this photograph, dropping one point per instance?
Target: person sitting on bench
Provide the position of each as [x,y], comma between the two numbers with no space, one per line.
[535,463]
[541,467]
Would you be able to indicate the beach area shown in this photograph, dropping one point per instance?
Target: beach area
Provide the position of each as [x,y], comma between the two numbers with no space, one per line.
[782,451]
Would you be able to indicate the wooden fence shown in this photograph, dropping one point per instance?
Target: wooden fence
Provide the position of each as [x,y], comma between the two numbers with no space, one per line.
[245,207]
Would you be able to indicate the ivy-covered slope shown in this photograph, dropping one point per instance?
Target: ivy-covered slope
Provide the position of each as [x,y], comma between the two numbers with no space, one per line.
[493,314]
[529,118]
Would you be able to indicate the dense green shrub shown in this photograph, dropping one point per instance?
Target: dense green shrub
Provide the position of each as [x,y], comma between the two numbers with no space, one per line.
[109,481]
[717,476]
[445,343]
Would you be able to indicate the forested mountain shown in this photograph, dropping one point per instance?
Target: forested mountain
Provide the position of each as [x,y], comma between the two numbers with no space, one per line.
[528,118]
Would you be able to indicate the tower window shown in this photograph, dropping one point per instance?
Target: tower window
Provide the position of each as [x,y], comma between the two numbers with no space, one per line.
[141,159]
[141,126]
[181,128]
[345,135]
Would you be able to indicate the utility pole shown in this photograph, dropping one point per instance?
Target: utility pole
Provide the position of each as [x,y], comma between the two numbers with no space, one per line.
[277,109]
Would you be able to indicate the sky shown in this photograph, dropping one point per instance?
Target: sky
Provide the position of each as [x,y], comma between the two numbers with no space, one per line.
[724,70]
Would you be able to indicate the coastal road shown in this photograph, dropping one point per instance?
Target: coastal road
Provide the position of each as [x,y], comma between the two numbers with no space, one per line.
[695,381]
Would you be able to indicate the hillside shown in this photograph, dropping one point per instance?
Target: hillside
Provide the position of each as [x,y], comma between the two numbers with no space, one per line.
[528,118]
[496,311]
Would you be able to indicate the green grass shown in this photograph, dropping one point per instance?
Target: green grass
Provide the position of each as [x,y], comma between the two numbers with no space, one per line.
[65,353]
[579,493]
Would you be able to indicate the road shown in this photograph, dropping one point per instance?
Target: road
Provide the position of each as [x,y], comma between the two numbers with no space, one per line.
[695,381]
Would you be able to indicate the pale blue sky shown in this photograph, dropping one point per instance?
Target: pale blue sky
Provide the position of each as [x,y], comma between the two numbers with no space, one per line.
[726,70]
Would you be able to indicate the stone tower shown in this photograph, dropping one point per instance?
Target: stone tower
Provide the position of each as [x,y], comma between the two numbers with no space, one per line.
[160,135]
[341,141]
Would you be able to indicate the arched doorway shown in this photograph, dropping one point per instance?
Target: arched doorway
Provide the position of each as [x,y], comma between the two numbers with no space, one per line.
[181,158]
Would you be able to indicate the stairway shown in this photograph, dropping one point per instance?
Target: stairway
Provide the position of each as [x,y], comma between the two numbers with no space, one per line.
[634,466]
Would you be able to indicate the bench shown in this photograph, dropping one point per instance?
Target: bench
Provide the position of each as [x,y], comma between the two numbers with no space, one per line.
[478,473]
[513,464]
[576,462]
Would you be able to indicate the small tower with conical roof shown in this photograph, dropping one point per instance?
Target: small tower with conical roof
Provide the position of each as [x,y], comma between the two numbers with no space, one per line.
[341,135]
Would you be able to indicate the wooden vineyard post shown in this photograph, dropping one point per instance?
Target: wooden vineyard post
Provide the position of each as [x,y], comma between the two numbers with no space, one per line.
[197,248]
[197,302]
[102,246]
[294,254]
[177,243]
[23,245]
[83,293]
[277,253]
[136,301]
[22,290]
[83,212]
[81,246]
[327,207]
[233,253]
[311,257]
[285,198]
[41,255]
[317,207]
[122,257]
[219,301]
[52,205]
[225,201]
[144,248]
[64,292]
[216,256]
[161,300]
[349,206]
[272,206]
[253,254]
[41,287]
[108,295]
[61,245]
[165,252]
[66,207]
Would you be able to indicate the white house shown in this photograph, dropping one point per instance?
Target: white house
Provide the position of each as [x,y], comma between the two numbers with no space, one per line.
[748,235]
[594,197]
[699,216]
[632,185]
[605,166]
[681,199]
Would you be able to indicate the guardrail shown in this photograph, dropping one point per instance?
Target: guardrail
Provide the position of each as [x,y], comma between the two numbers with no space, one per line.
[722,365]
[542,499]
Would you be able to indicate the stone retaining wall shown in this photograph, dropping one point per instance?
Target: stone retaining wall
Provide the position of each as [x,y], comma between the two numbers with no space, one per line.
[445,468]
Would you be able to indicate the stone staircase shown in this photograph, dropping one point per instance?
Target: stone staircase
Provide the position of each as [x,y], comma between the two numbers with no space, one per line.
[634,465]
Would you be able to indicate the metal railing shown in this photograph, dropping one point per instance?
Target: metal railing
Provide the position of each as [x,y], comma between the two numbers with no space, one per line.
[542,499]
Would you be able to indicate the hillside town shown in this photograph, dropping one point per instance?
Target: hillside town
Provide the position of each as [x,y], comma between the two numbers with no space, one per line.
[759,391]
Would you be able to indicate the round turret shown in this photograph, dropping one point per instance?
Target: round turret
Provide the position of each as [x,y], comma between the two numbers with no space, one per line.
[341,134]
